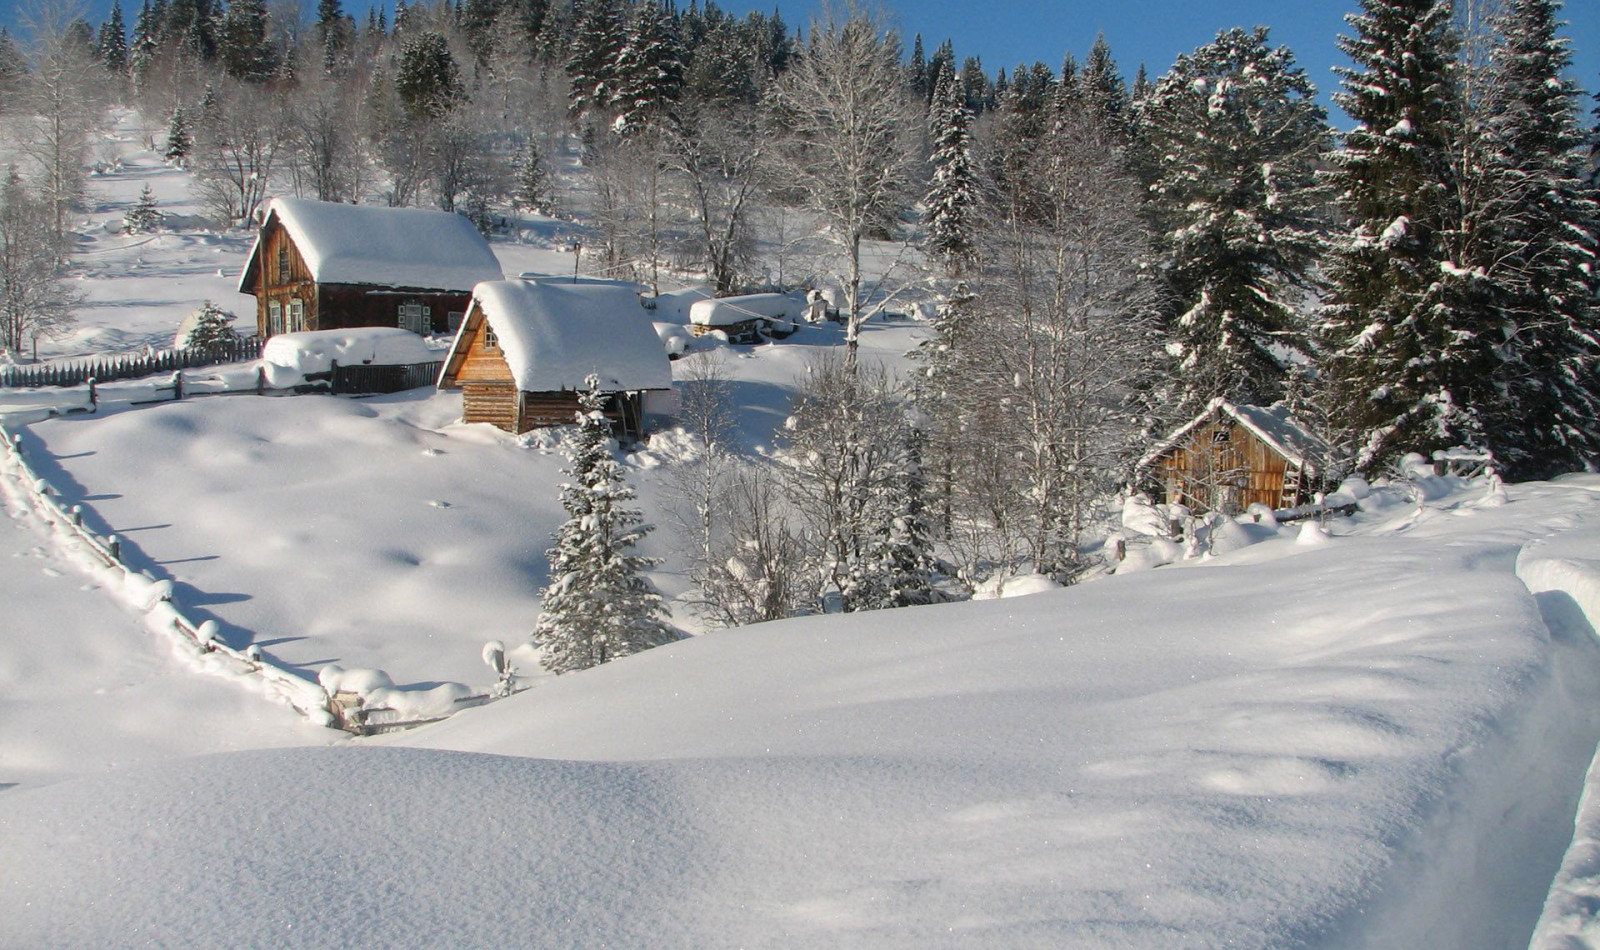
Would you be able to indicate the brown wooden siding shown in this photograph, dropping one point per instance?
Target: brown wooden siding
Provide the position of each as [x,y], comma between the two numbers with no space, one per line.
[491,402]
[334,306]
[483,362]
[1221,465]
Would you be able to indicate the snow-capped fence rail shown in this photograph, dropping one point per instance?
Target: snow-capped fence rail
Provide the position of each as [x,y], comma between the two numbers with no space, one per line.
[153,596]
[109,368]
[357,712]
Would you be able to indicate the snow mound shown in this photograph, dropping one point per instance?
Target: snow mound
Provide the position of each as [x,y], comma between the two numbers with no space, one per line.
[1020,586]
[673,336]
[731,311]
[315,351]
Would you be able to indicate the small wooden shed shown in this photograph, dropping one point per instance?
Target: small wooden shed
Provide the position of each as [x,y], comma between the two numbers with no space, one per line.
[323,265]
[526,349]
[1230,457]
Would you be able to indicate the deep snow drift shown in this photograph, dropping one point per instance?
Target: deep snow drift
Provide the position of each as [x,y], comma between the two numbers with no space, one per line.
[1370,742]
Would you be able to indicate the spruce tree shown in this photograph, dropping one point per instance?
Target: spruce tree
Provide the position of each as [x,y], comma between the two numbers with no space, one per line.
[1236,138]
[598,605]
[248,53]
[146,42]
[143,217]
[595,44]
[113,45]
[648,69]
[533,189]
[1411,366]
[1104,88]
[210,327]
[427,79]
[954,195]
[11,72]
[334,31]
[179,139]
[1542,228]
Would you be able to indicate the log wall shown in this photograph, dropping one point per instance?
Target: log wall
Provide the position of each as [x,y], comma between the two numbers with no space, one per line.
[1222,466]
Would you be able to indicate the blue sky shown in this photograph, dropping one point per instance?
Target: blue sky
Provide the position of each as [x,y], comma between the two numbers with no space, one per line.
[1150,31]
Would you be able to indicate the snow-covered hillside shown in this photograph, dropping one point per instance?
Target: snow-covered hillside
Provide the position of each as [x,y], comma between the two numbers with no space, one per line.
[1375,741]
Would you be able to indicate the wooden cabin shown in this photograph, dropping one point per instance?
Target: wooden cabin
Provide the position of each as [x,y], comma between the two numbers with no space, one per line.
[1230,457]
[322,265]
[526,349]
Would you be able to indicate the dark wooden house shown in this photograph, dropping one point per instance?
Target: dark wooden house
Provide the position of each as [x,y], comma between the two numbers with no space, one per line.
[526,349]
[321,265]
[1230,457]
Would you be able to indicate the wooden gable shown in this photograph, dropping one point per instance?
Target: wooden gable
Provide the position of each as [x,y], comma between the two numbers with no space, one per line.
[1221,465]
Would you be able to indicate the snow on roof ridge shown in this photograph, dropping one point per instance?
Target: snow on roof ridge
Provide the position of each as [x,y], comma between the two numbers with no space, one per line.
[1277,429]
[388,247]
[555,335]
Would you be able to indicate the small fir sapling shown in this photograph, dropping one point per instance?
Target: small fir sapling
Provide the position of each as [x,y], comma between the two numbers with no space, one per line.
[179,139]
[210,326]
[143,217]
[494,654]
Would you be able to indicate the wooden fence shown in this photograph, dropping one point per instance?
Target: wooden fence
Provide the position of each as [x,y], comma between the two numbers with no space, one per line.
[353,380]
[108,368]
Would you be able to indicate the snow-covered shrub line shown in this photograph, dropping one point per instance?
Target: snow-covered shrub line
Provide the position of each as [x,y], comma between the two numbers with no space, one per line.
[1568,921]
[150,596]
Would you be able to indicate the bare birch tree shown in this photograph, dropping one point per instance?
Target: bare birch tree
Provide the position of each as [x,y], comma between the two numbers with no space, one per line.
[848,145]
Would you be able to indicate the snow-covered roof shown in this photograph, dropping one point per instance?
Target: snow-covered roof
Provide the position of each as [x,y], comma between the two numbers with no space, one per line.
[408,248]
[729,311]
[555,335]
[1271,424]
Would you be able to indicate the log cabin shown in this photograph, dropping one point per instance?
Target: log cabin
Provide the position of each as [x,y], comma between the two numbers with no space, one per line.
[322,265]
[1230,457]
[526,349]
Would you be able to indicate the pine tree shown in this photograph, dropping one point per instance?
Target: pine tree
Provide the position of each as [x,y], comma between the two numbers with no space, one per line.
[598,606]
[954,195]
[1103,87]
[648,70]
[143,217]
[179,139]
[533,189]
[210,327]
[1543,224]
[917,72]
[1236,137]
[113,45]
[334,31]
[146,42]
[428,80]
[1411,365]
[248,53]
[596,42]
[11,72]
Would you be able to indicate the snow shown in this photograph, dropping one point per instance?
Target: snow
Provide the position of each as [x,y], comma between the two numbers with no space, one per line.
[315,351]
[1283,747]
[554,335]
[730,311]
[387,247]
[673,337]
[1375,738]
[1271,424]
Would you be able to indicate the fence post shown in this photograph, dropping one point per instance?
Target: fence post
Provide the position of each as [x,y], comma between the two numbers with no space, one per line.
[114,545]
[261,380]
[177,385]
[77,516]
[94,394]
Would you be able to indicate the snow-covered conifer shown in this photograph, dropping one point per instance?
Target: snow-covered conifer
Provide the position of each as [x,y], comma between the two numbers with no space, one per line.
[113,42]
[179,139]
[210,326]
[596,41]
[143,217]
[1542,228]
[427,78]
[598,605]
[648,69]
[954,196]
[533,190]
[248,52]
[1412,367]
[1235,137]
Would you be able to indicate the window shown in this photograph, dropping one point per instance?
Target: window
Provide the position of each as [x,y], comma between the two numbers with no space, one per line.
[297,315]
[274,318]
[416,318]
[454,320]
[490,341]
[283,264]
